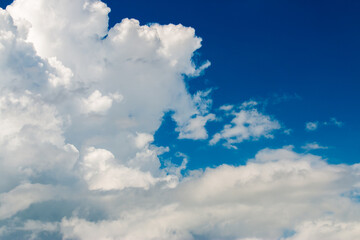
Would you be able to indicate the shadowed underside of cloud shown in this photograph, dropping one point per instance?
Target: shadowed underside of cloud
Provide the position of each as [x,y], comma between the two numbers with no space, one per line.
[79,108]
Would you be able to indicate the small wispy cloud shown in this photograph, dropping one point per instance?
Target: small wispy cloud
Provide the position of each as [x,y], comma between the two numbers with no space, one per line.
[288,131]
[226,107]
[313,146]
[334,122]
[312,126]
[248,124]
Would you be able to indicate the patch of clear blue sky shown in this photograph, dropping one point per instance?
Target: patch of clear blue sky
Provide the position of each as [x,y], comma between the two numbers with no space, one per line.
[259,48]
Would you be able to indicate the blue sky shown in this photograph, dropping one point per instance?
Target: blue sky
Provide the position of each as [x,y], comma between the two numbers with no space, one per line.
[115,125]
[262,49]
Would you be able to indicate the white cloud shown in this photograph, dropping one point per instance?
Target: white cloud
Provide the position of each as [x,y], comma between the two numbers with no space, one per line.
[226,108]
[22,197]
[278,191]
[195,128]
[101,172]
[311,126]
[98,104]
[64,75]
[65,87]
[31,139]
[249,104]
[313,146]
[202,101]
[143,139]
[327,229]
[78,116]
[70,69]
[248,124]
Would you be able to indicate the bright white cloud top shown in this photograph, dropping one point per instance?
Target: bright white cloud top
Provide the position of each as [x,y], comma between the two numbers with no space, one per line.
[79,108]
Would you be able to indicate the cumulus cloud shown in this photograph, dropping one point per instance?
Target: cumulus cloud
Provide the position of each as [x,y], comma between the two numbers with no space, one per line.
[101,90]
[72,90]
[248,124]
[80,104]
[22,197]
[327,229]
[31,139]
[102,172]
[277,192]
[98,104]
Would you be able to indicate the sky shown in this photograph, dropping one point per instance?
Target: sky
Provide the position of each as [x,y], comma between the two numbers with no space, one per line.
[304,50]
[179,120]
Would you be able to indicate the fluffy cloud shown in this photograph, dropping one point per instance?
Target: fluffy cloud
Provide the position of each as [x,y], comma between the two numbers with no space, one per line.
[248,123]
[22,197]
[101,172]
[277,192]
[195,128]
[80,104]
[98,104]
[75,95]
[327,229]
[103,90]
[31,139]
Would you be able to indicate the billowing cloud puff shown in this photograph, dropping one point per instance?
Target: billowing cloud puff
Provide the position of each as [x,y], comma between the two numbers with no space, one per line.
[79,107]
[81,103]
[278,194]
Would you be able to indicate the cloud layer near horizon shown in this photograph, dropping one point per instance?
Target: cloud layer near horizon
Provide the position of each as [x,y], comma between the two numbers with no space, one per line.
[79,108]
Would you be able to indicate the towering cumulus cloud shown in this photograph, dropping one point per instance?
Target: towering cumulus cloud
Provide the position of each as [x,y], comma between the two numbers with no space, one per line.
[79,107]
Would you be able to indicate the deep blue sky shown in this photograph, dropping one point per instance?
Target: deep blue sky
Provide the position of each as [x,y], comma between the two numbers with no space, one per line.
[261,48]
